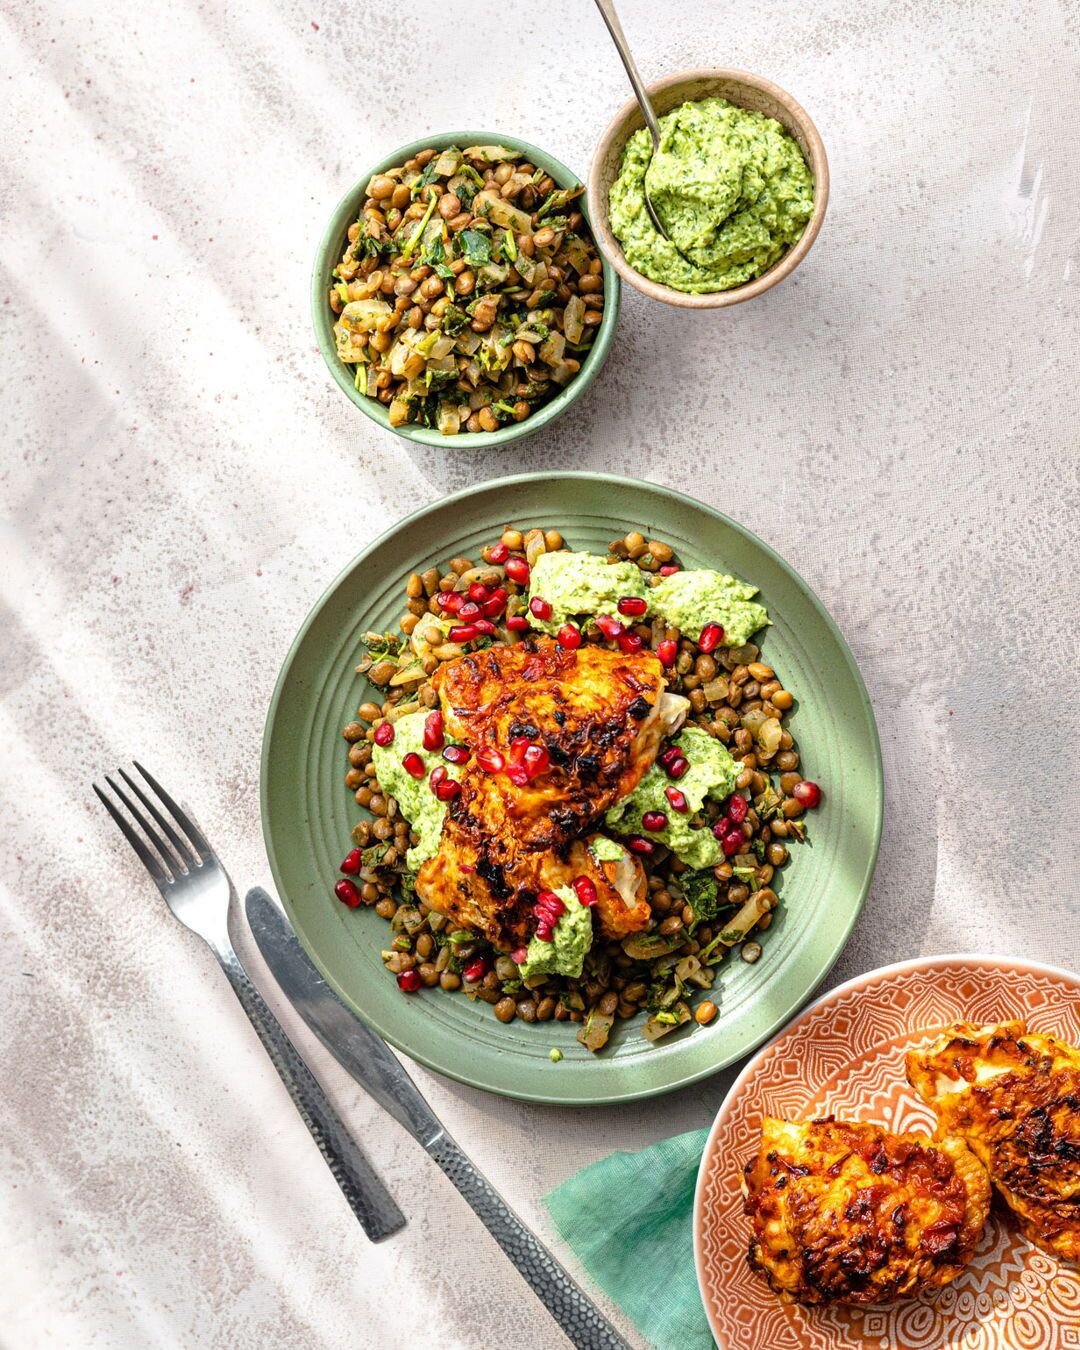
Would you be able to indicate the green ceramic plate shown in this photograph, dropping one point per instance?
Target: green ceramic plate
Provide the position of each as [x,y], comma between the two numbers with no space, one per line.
[329,254]
[308,813]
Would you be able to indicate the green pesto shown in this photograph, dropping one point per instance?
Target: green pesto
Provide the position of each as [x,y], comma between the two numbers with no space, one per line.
[730,186]
[571,939]
[712,773]
[579,585]
[576,584]
[690,600]
[419,805]
[604,849]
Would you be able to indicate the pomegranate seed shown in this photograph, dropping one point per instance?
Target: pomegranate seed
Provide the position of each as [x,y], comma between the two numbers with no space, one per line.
[449,601]
[409,981]
[469,611]
[495,604]
[669,570]
[569,637]
[519,955]
[413,764]
[518,746]
[711,637]
[668,651]
[465,633]
[484,627]
[609,626]
[536,760]
[544,932]
[806,792]
[732,842]
[352,863]
[517,775]
[498,553]
[633,604]
[737,808]
[654,820]
[456,754]
[550,900]
[639,845]
[517,569]
[436,776]
[630,643]
[539,608]
[433,731]
[384,733]
[347,892]
[585,889]
[475,970]
[677,767]
[669,755]
[490,760]
[479,592]
[447,789]
[518,623]
[677,799]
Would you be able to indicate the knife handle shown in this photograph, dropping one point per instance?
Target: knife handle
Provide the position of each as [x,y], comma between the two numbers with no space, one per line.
[578,1316]
[368,1198]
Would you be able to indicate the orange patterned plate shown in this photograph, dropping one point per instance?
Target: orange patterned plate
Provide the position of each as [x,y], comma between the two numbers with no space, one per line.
[844,1055]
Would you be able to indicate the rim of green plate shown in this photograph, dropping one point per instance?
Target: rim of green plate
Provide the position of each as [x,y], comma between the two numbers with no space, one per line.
[329,252]
[413,1046]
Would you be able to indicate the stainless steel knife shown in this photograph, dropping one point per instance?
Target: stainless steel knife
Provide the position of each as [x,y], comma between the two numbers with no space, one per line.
[375,1067]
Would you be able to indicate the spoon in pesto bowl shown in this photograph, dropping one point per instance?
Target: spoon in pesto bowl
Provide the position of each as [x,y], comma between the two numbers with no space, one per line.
[614,27]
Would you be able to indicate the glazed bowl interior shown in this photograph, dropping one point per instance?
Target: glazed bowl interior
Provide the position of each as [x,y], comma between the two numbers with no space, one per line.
[746,91]
[333,245]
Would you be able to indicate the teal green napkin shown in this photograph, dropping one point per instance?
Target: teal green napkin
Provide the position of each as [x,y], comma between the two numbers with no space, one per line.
[628,1220]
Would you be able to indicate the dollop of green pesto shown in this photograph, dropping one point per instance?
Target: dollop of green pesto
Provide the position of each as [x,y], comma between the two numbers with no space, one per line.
[712,773]
[419,805]
[689,600]
[604,849]
[581,584]
[571,938]
[731,187]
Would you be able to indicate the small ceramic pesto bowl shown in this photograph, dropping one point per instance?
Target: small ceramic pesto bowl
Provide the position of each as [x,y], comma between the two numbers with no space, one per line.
[333,246]
[747,91]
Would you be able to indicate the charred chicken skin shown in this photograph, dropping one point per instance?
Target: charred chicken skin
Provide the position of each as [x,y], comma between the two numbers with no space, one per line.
[851,1213]
[587,724]
[1014,1097]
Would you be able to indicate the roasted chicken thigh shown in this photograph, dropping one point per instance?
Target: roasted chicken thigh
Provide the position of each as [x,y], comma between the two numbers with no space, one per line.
[557,737]
[1014,1097]
[850,1213]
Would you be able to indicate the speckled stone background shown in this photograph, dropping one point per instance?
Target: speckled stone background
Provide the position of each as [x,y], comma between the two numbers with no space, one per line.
[181,479]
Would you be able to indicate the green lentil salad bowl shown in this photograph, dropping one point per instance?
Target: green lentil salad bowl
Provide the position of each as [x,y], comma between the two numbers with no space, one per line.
[308,810]
[335,240]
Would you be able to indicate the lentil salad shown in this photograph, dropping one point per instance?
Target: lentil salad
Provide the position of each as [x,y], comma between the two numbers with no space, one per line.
[698,913]
[469,291]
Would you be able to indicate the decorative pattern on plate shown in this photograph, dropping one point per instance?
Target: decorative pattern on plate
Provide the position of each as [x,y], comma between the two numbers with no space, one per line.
[845,1055]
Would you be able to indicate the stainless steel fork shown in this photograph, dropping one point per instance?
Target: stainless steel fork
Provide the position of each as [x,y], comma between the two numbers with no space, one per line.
[197,889]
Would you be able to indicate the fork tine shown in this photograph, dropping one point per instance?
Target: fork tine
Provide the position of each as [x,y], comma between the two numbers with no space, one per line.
[148,860]
[187,857]
[181,817]
[147,829]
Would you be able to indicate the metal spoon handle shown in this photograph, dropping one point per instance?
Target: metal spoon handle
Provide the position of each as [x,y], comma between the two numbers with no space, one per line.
[614,27]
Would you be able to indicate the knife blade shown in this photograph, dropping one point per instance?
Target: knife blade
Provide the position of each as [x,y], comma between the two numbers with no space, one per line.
[373,1064]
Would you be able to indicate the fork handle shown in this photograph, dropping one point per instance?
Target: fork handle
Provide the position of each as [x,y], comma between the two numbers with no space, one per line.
[578,1316]
[368,1198]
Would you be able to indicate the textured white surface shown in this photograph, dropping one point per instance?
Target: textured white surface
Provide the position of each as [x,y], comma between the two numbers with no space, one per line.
[181,479]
